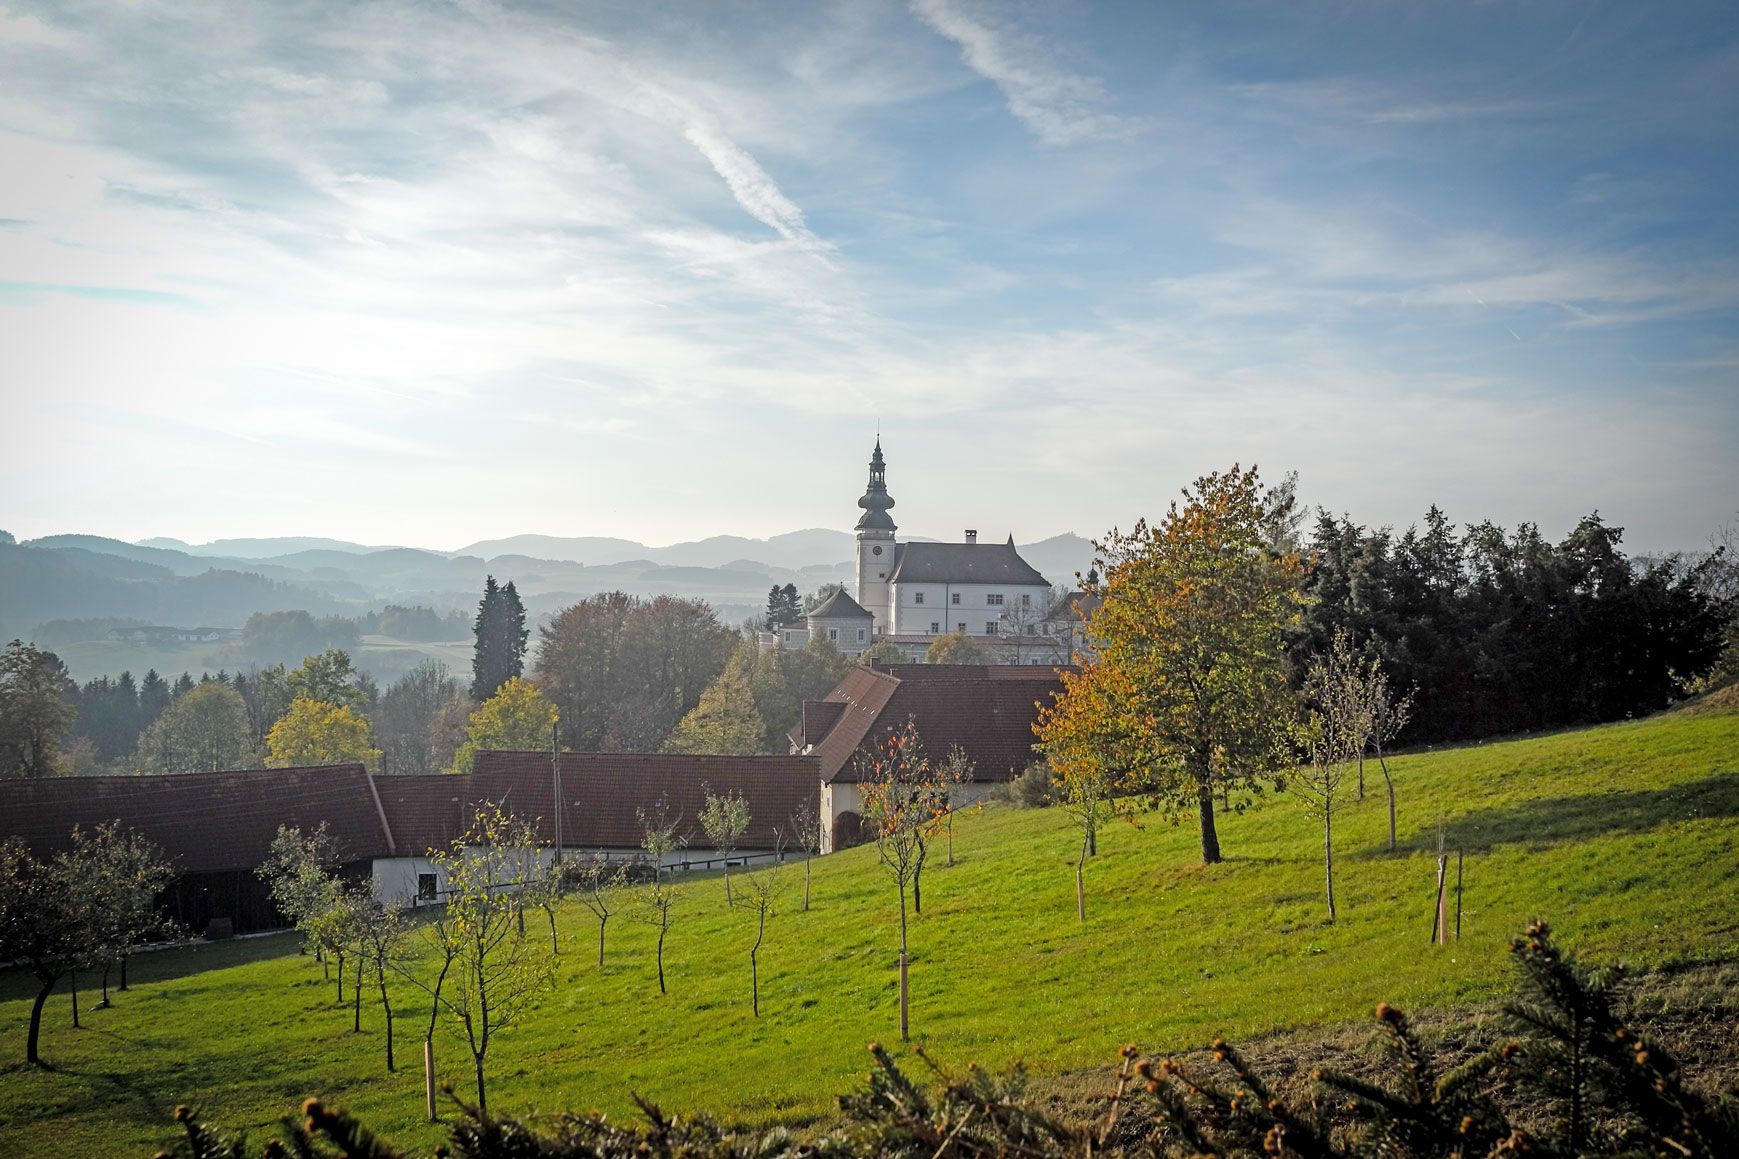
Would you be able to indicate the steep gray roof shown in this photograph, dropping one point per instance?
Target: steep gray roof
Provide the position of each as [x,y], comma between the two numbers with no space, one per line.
[962,563]
[840,606]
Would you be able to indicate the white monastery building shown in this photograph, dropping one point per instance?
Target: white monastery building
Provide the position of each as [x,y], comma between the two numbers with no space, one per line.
[915,592]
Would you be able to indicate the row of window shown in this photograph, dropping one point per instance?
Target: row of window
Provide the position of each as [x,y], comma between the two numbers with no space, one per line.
[990,628]
[994,599]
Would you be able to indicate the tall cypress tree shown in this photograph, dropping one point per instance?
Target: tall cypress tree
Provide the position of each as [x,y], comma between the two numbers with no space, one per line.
[501,635]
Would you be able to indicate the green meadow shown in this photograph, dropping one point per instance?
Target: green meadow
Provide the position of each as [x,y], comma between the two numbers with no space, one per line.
[1626,837]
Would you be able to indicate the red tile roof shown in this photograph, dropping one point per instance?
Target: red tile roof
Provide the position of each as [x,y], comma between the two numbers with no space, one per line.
[205,822]
[988,711]
[424,812]
[602,793]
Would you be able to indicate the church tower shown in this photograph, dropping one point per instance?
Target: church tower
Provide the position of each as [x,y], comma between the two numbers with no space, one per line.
[875,546]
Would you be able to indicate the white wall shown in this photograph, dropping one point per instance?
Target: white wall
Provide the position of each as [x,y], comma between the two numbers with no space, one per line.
[974,609]
[873,592]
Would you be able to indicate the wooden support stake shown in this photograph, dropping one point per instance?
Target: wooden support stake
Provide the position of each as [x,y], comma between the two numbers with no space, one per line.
[1458,855]
[905,1035]
[429,1077]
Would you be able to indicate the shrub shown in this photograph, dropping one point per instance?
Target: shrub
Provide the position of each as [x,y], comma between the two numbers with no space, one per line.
[1035,788]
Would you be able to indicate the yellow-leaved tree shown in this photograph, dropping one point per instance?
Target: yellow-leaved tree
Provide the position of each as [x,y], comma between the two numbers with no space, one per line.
[1184,684]
[725,722]
[516,717]
[315,732]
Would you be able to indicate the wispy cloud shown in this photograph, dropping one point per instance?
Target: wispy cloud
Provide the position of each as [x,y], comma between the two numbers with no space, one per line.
[1059,106]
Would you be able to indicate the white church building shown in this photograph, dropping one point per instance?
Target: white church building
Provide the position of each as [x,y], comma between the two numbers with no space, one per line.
[915,592]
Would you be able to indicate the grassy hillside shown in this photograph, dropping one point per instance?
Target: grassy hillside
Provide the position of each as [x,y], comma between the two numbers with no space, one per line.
[1624,836]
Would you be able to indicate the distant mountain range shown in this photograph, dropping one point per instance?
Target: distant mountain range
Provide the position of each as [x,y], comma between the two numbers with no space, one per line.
[218,584]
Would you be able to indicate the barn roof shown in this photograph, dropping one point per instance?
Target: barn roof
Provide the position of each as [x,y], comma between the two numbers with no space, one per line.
[205,822]
[987,710]
[602,793]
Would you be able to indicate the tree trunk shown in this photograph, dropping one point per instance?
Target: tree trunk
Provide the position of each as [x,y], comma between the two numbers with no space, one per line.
[1328,857]
[35,1034]
[555,947]
[728,900]
[341,979]
[72,981]
[482,1097]
[386,1008]
[905,1035]
[1361,775]
[950,837]
[1210,836]
[661,988]
[806,860]
[601,922]
[356,995]
[1080,884]
[755,966]
[1384,765]
[103,1005]
[124,958]
[429,1077]
[1092,838]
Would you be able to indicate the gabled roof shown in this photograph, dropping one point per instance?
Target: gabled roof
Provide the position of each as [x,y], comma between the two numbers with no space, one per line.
[988,711]
[602,793]
[424,812]
[840,606]
[204,822]
[962,563]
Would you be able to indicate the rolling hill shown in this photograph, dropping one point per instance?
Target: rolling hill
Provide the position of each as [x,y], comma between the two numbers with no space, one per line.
[1624,836]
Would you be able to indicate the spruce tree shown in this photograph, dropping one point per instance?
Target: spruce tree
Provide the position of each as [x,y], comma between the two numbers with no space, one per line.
[501,634]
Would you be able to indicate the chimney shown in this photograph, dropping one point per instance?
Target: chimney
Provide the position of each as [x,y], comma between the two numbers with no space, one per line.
[971,535]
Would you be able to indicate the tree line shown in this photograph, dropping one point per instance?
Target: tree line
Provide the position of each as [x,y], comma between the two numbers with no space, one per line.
[619,672]
[1227,659]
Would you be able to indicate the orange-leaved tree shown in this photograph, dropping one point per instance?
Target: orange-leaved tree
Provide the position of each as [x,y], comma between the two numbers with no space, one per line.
[1186,651]
[1087,745]
[903,802]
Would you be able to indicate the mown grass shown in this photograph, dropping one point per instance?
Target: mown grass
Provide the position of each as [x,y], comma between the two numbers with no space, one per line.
[1627,837]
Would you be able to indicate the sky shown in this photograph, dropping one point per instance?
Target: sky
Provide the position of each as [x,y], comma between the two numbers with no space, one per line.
[425,273]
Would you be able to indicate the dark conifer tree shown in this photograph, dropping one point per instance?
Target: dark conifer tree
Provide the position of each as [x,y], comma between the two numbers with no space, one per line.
[153,698]
[501,633]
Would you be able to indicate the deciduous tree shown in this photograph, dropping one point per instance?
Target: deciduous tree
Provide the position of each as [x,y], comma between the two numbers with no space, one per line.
[314,732]
[516,717]
[725,722]
[203,730]
[1191,637]
[495,968]
[956,648]
[35,711]
[724,818]
[901,802]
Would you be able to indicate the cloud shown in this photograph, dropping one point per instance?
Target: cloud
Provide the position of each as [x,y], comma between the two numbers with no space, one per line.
[1059,106]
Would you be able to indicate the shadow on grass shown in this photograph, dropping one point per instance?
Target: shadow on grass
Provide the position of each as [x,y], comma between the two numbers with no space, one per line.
[1560,819]
[153,966]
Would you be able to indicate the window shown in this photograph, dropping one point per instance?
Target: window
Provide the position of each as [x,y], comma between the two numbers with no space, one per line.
[960,627]
[860,633]
[994,599]
[990,628]
[1026,599]
[833,633]
[425,887]
[935,628]
[955,598]
[918,598]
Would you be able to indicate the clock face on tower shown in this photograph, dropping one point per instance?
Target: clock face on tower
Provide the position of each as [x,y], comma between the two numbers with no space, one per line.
[875,551]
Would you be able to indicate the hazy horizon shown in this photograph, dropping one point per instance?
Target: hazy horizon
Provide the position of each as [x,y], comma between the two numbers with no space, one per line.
[405,274]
